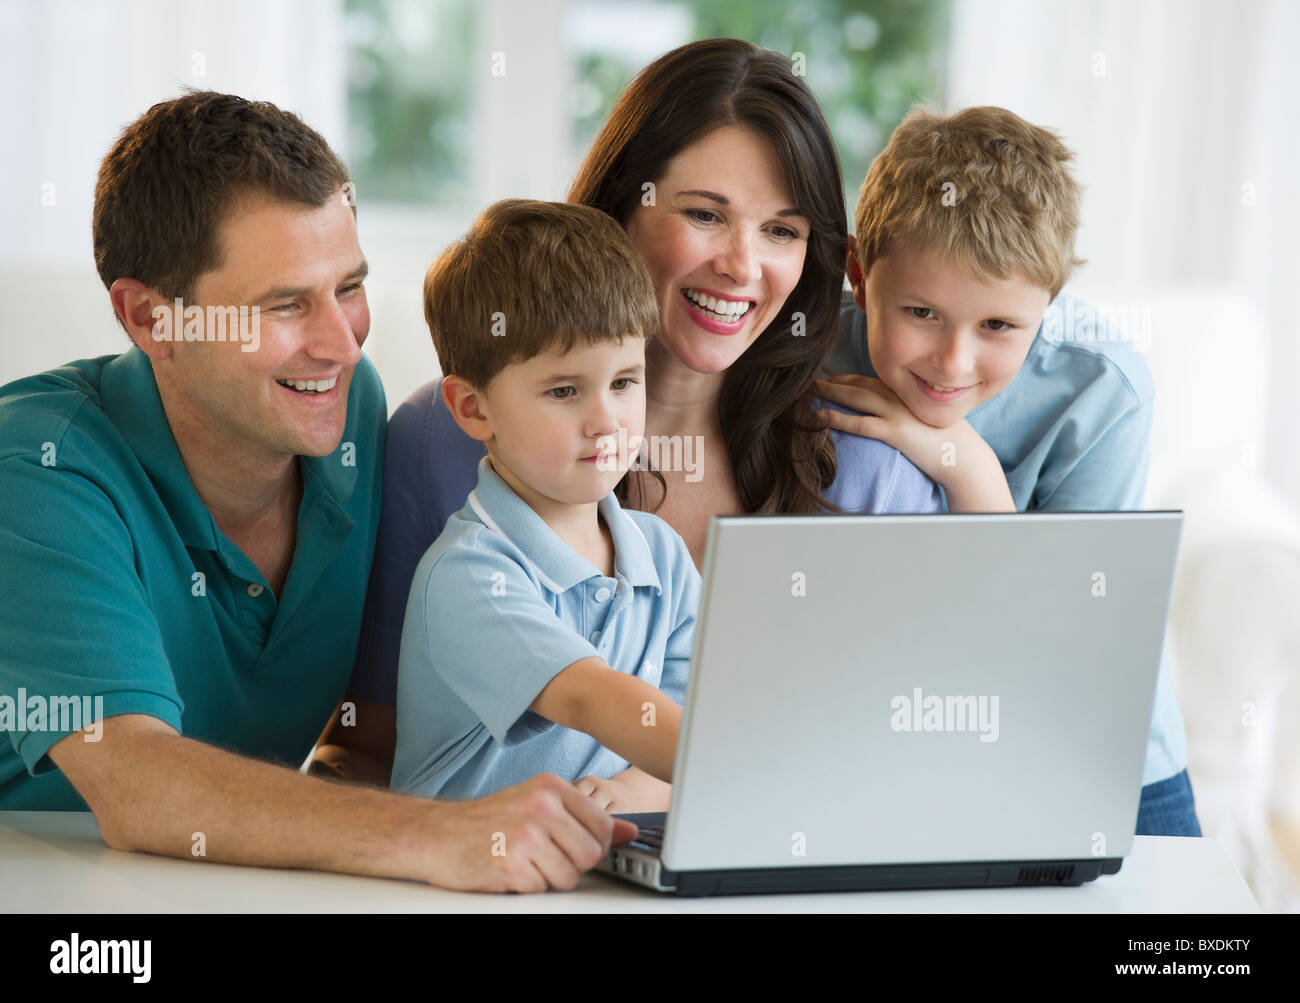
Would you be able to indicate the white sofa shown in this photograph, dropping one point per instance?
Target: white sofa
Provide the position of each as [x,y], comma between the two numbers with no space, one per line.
[1234,625]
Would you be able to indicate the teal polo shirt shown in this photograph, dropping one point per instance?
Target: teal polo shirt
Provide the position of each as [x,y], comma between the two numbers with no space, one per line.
[122,596]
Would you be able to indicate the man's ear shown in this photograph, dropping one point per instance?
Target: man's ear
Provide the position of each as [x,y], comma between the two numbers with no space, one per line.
[147,317]
[856,278]
[465,402]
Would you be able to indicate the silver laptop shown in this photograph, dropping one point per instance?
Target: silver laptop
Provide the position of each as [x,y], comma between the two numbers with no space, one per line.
[907,701]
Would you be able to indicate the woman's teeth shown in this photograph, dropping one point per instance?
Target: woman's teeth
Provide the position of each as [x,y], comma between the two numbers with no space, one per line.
[309,386]
[725,311]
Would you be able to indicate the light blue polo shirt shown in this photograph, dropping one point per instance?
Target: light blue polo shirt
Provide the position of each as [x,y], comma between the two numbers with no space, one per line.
[1073,434]
[499,605]
[121,592]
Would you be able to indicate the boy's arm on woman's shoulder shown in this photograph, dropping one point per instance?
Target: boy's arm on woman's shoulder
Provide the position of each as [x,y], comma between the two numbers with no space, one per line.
[977,482]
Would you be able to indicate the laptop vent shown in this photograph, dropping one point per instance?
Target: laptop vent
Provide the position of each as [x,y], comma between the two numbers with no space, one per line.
[1054,875]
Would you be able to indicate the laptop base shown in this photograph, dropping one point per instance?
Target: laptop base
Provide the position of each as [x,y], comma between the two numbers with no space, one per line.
[640,863]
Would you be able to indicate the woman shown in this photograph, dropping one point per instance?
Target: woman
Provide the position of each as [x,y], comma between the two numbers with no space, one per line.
[718,163]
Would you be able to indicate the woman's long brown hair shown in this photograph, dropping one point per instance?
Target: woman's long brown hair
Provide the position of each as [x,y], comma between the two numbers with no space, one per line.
[781,454]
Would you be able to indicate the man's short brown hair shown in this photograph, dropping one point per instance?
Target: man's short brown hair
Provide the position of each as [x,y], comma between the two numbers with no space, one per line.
[530,277]
[987,190]
[175,172]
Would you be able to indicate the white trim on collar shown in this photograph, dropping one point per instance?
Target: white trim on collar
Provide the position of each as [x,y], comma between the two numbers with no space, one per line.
[490,523]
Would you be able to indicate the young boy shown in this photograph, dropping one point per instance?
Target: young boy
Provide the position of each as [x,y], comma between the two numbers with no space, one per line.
[547,630]
[963,350]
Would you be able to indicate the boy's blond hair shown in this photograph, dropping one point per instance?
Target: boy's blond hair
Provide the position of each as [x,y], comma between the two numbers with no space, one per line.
[987,190]
[531,276]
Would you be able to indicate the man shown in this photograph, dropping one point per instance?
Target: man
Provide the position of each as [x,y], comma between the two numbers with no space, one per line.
[188,529]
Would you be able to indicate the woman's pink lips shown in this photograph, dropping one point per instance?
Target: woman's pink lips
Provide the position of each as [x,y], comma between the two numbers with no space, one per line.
[709,324]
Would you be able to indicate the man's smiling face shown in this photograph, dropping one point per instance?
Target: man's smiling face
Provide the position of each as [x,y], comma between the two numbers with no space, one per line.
[942,340]
[303,269]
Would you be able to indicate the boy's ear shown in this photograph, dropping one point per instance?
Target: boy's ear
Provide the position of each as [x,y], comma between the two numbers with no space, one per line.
[854,272]
[465,403]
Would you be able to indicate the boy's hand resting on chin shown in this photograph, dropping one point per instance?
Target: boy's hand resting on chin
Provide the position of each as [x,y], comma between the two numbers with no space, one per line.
[955,457]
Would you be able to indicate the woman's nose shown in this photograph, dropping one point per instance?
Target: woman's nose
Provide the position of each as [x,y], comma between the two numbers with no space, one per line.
[738,259]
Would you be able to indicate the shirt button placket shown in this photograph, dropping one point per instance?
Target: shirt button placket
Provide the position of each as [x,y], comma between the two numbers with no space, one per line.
[601,595]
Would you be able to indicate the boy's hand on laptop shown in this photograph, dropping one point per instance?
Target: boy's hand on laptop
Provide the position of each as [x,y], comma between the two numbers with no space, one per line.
[607,794]
[955,457]
[536,835]
[631,790]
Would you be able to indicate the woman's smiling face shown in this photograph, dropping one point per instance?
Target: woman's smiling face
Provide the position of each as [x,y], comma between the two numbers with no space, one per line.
[725,245]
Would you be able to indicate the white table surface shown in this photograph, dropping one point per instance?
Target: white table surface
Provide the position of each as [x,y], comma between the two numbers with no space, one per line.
[56,862]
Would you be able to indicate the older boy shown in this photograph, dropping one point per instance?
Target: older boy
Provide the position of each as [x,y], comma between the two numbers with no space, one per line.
[965,235]
[547,629]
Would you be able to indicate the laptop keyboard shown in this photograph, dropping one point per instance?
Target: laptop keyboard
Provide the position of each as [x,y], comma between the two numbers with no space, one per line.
[650,835]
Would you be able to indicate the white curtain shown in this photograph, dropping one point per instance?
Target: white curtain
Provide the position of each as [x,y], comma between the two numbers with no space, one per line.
[77,72]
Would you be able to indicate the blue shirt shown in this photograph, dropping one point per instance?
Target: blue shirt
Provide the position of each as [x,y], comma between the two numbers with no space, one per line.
[499,606]
[1073,433]
[120,590]
[431,466]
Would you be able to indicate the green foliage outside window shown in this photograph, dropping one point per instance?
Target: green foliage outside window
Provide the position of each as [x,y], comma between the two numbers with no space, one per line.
[867,61]
[409,98]
[410,94]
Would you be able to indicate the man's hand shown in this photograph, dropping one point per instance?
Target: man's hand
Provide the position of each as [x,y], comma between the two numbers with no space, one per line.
[538,835]
[955,457]
[155,791]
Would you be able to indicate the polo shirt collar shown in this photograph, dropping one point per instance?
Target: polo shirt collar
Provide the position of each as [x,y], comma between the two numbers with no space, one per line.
[130,399]
[129,396]
[559,566]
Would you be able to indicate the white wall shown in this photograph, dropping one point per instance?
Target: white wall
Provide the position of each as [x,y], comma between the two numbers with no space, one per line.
[74,74]
[86,69]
